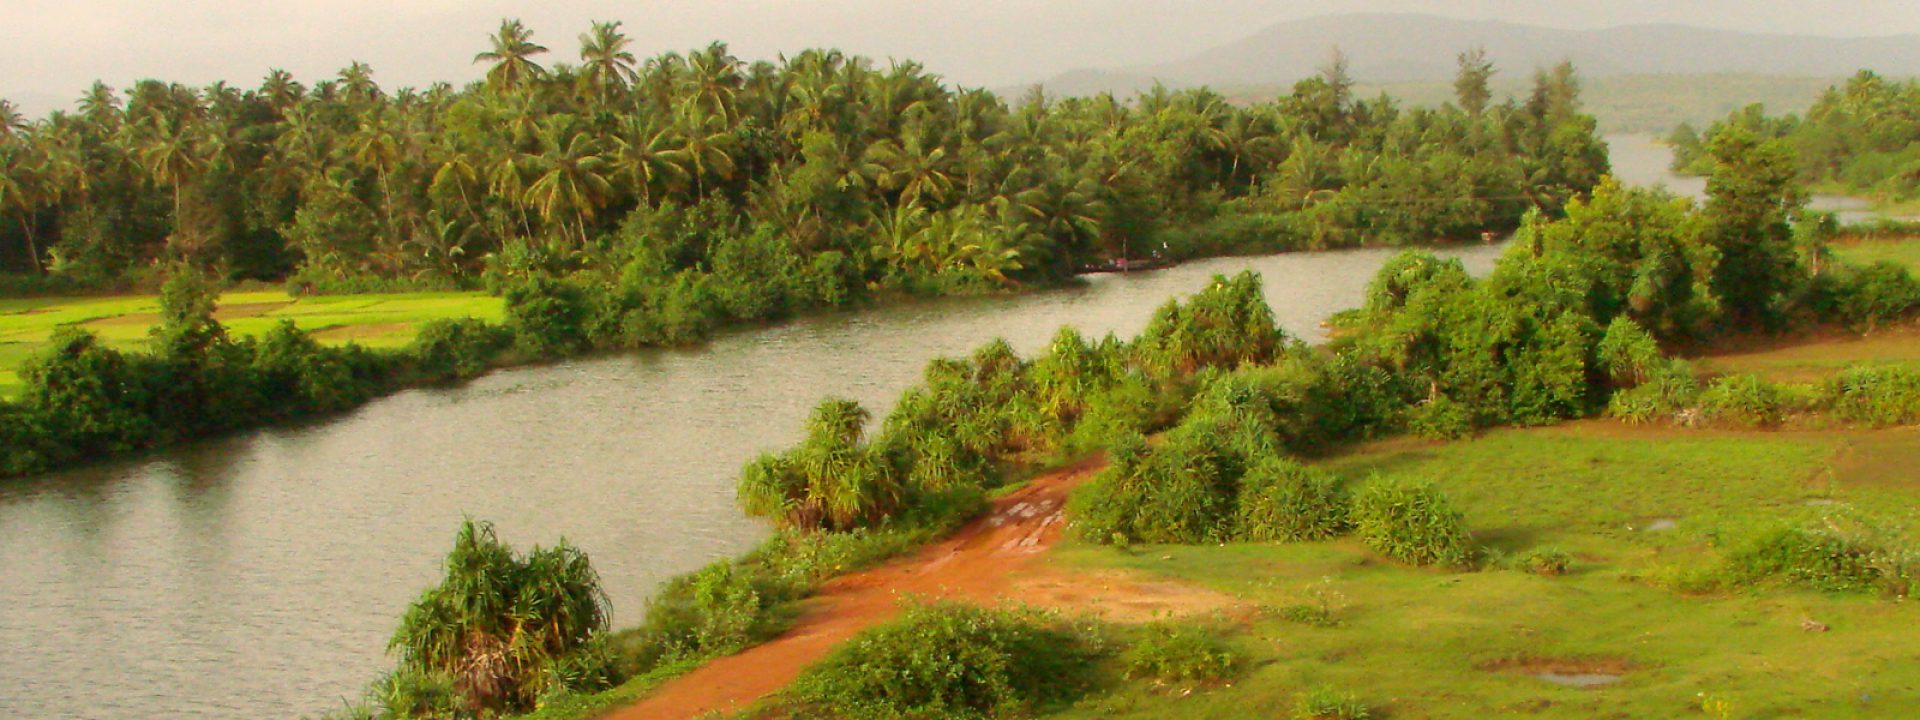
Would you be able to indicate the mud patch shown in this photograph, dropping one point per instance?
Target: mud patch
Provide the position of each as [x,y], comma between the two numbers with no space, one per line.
[1583,673]
[360,332]
[1121,596]
[1661,525]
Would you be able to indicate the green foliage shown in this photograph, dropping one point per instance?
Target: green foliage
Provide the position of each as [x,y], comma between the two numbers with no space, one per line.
[505,629]
[1671,390]
[1874,396]
[1226,325]
[459,349]
[1178,654]
[1325,703]
[831,481]
[1545,561]
[1826,559]
[949,660]
[1282,500]
[548,318]
[1440,418]
[1865,297]
[1745,400]
[1628,355]
[1411,522]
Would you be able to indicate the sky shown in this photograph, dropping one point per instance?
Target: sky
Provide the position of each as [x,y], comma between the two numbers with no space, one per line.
[51,50]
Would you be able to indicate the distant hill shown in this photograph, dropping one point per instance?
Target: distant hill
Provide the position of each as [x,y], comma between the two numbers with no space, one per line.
[1639,77]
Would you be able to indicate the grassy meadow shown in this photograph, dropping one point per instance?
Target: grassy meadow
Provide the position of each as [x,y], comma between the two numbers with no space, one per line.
[1633,508]
[26,324]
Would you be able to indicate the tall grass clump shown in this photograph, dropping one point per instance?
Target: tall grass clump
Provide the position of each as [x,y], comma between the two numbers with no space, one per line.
[1413,522]
[1826,558]
[1283,500]
[1744,400]
[501,630]
[1670,390]
[831,481]
[950,660]
[1324,703]
[1226,325]
[1874,396]
[1180,654]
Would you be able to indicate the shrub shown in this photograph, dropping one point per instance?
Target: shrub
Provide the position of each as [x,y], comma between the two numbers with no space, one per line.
[498,623]
[1180,654]
[1225,325]
[1280,499]
[1411,522]
[831,481]
[1746,400]
[1440,418]
[1324,703]
[949,660]
[1876,396]
[457,348]
[1825,559]
[1546,561]
[1864,297]
[1628,355]
[1671,389]
[548,317]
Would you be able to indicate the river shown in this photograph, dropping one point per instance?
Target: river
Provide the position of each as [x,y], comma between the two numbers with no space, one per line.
[260,575]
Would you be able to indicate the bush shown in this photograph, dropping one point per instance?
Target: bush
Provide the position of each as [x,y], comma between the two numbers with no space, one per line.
[1864,297]
[1178,654]
[1875,396]
[548,317]
[1412,522]
[831,481]
[499,624]
[462,348]
[1324,703]
[1440,418]
[1546,561]
[1628,355]
[1282,500]
[1670,390]
[949,660]
[1745,400]
[1226,325]
[1825,559]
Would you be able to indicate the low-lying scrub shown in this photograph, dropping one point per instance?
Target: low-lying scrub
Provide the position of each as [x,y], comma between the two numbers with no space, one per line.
[1412,522]
[950,660]
[1179,654]
[1825,558]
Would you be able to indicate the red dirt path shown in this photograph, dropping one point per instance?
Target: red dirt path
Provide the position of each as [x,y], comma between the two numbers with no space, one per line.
[977,563]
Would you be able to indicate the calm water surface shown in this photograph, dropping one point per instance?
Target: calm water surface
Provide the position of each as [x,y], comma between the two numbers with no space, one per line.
[260,575]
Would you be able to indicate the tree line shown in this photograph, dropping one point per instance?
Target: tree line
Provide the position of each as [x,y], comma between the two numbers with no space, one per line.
[833,167]
[1862,138]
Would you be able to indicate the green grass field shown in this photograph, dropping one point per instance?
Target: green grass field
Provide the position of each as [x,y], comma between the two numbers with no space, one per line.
[1904,251]
[1631,506]
[125,321]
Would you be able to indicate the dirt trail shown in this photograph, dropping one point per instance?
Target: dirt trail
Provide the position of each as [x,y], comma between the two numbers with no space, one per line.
[977,563]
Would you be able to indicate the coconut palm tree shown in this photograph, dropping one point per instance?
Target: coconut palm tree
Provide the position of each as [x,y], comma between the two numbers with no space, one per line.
[606,61]
[570,176]
[21,191]
[512,53]
[643,155]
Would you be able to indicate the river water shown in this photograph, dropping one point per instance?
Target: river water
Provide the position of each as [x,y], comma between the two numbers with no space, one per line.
[260,575]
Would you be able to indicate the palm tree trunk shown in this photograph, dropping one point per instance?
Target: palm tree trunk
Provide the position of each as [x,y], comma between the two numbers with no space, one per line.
[33,251]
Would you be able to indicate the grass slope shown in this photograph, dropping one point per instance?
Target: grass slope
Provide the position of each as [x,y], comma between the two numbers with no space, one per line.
[125,321]
[1632,506]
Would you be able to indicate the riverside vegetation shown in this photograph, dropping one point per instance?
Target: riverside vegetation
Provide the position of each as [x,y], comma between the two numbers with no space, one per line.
[619,203]
[1230,445]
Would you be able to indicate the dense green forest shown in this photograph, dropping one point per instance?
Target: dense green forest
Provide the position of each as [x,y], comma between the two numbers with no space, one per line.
[1862,138]
[825,166]
[617,204]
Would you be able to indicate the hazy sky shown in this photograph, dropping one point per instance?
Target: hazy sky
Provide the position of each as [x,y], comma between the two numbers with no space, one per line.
[50,50]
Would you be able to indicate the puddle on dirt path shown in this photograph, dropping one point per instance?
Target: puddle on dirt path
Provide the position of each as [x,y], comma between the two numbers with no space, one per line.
[1578,680]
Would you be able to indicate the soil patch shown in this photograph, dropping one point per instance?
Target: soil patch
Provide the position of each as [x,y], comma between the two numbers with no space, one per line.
[360,332]
[977,563]
[1120,596]
[127,319]
[1585,673]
